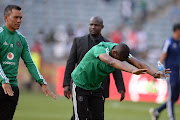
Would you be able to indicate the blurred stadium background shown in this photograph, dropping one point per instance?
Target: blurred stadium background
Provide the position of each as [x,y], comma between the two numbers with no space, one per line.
[50,26]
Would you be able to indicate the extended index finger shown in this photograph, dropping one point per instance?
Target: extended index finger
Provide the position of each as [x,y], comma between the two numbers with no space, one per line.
[143,70]
[168,69]
[52,94]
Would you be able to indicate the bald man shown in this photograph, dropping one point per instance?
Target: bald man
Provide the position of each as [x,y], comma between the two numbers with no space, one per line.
[80,47]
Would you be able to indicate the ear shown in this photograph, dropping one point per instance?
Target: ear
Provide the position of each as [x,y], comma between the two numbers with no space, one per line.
[5,18]
[113,52]
[102,26]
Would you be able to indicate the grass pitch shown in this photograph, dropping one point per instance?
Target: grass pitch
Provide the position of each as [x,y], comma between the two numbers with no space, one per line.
[36,106]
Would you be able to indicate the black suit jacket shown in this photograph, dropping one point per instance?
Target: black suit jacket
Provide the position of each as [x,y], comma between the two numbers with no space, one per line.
[78,50]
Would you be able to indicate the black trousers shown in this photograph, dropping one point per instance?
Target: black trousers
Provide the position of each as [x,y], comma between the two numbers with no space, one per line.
[87,102]
[8,104]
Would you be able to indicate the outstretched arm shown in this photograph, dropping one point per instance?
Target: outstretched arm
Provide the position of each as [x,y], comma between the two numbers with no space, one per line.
[32,68]
[140,65]
[119,65]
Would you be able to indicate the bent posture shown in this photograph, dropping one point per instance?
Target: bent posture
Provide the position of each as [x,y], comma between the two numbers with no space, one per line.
[100,61]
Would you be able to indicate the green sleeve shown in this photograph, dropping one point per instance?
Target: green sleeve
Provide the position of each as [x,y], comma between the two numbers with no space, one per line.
[98,50]
[3,78]
[32,68]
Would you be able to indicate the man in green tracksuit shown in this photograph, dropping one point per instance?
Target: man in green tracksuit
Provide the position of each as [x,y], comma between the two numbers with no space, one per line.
[100,61]
[13,45]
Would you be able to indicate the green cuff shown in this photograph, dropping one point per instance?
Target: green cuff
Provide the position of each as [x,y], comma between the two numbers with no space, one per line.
[42,82]
[3,81]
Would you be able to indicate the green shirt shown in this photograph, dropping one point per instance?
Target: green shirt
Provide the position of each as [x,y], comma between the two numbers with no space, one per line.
[91,71]
[13,45]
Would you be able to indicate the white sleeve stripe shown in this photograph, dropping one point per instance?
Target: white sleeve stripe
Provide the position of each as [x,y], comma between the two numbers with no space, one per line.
[130,56]
[3,75]
[166,46]
[1,72]
[1,29]
[19,33]
[40,76]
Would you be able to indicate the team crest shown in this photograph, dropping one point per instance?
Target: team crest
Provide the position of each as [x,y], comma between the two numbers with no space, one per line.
[18,44]
[10,56]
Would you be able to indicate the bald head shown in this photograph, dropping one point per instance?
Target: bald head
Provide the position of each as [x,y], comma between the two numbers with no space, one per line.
[121,52]
[95,26]
[98,19]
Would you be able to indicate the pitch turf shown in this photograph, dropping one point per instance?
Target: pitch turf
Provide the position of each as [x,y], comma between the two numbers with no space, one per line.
[36,106]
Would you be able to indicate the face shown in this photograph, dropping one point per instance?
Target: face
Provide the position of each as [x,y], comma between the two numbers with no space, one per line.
[13,20]
[95,27]
[115,55]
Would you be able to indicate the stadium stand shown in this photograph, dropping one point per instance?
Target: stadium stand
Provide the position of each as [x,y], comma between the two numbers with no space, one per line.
[46,15]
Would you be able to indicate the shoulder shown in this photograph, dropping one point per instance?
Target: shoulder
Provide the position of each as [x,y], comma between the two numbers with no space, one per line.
[167,42]
[166,45]
[1,33]
[18,33]
[22,38]
[80,39]
[1,30]
[107,44]
[101,45]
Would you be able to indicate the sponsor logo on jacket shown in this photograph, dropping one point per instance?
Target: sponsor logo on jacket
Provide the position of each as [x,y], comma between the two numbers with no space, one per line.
[10,56]
[9,63]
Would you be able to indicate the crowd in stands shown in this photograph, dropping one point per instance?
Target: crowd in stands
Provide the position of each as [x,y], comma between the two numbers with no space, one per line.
[55,40]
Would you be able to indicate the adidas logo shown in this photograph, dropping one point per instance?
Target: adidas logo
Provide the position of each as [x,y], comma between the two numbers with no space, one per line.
[5,43]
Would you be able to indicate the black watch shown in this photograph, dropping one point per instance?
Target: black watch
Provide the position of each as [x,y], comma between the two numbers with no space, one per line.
[43,83]
[155,75]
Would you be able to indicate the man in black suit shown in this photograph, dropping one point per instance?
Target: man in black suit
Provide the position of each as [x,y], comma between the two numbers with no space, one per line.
[80,47]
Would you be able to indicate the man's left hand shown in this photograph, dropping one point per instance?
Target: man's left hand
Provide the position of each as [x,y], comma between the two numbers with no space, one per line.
[122,95]
[47,92]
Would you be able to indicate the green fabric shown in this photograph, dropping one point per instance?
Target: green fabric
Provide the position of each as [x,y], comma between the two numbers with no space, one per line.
[91,71]
[13,45]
